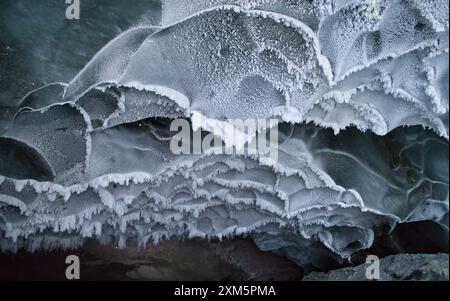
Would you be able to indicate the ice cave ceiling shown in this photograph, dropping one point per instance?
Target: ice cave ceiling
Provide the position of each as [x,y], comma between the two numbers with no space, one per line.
[360,89]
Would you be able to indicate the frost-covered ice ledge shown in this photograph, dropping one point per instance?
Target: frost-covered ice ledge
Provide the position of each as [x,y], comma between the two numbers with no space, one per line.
[352,83]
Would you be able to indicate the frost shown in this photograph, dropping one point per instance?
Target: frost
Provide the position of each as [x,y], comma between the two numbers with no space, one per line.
[227,60]
[352,85]
[304,194]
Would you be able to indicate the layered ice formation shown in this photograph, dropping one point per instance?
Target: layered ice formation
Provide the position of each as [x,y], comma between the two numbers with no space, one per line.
[360,91]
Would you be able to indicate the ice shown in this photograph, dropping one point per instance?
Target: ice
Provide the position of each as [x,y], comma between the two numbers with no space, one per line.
[134,182]
[359,92]
[228,58]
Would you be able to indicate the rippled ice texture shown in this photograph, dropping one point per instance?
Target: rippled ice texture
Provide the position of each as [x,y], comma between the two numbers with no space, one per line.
[360,89]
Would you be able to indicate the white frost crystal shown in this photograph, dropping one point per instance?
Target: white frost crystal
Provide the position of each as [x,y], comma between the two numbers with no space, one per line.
[91,158]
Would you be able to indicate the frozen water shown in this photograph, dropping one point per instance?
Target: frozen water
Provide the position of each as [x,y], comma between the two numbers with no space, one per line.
[353,84]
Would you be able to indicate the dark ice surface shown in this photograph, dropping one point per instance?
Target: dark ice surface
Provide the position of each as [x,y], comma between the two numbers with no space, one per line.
[38,45]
